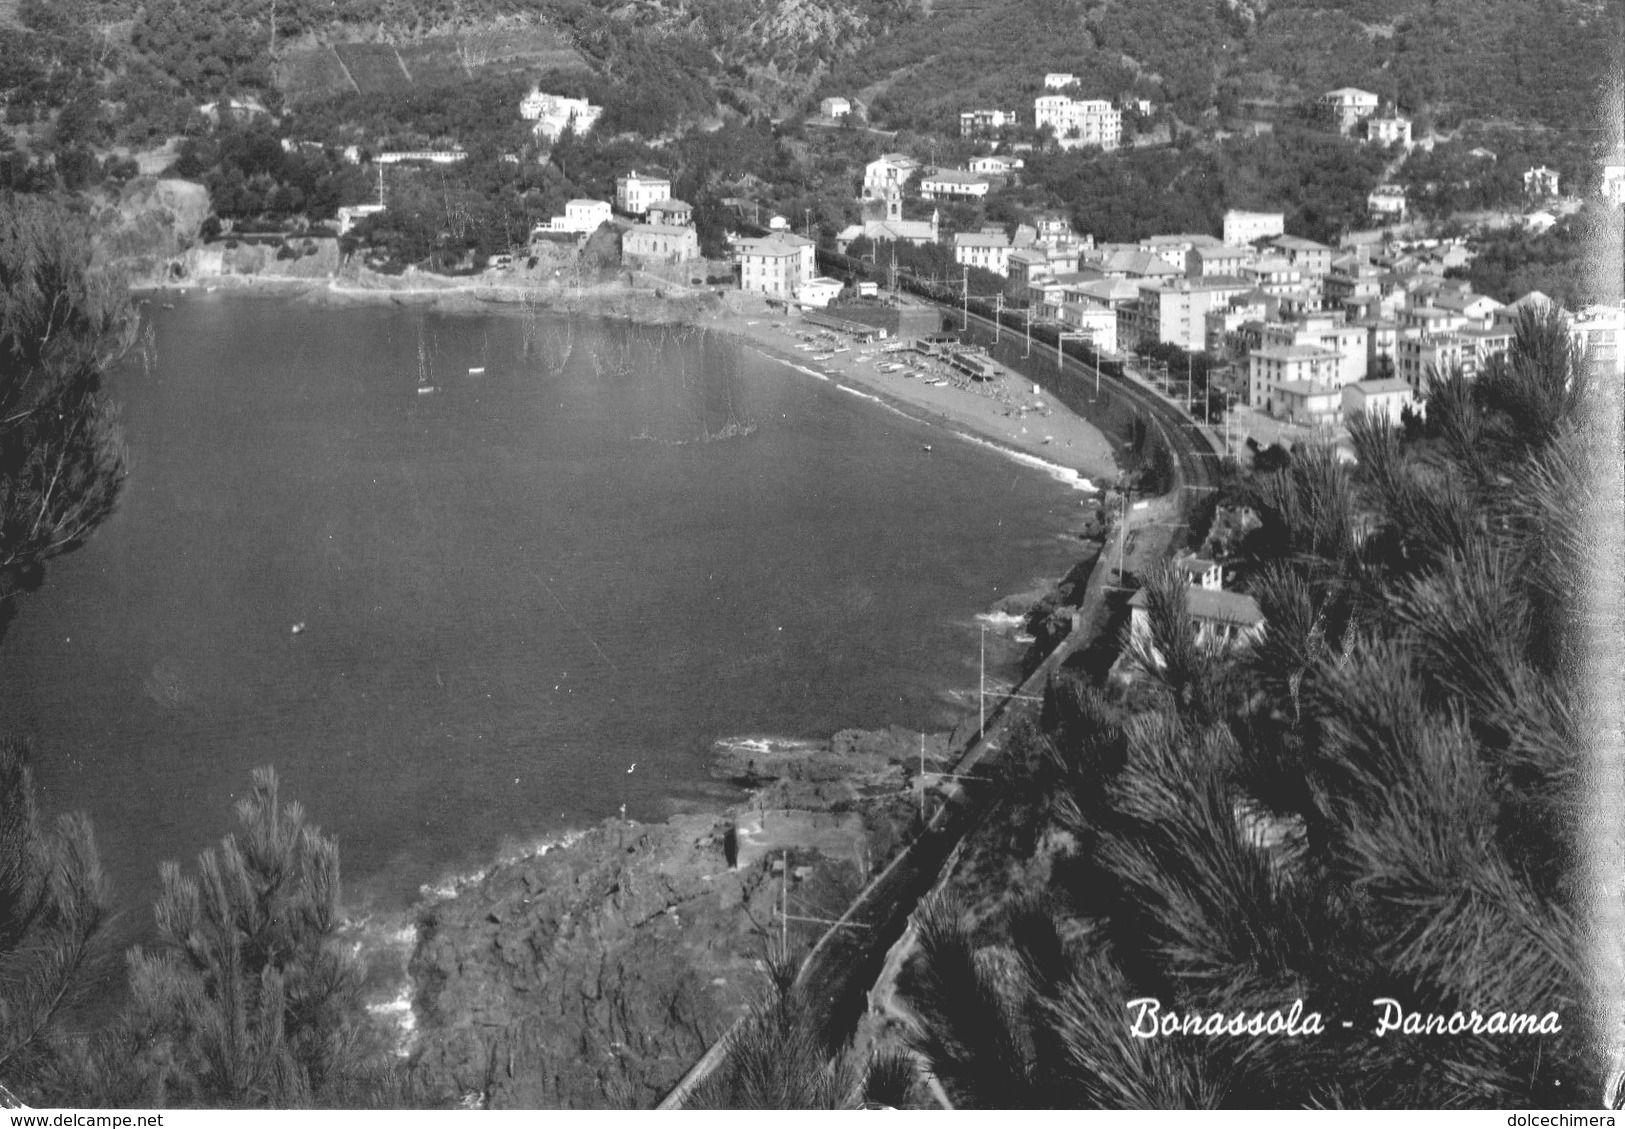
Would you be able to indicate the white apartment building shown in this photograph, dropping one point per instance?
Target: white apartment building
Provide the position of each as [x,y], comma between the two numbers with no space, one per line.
[1347,343]
[634,193]
[973,123]
[580,216]
[776,265]
[1347,106]
[1298,365]
[1388,130]
[983,249]
[885,172]
[1079,122]
[1058,80]
[953,184]
[553,113]
[1245,227]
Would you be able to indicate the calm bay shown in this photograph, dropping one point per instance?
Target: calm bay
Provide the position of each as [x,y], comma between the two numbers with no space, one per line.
[535,594]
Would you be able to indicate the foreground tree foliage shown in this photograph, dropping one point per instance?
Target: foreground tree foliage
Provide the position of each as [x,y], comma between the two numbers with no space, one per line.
[247,1001]
[62,326]
[1378,800]
[777,1059]
[53,917]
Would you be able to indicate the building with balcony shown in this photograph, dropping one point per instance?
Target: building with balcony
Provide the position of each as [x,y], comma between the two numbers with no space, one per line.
[1271,365]
[885,172]
[980,123]
[985,249]
[1174,311]
[775,265]
[1077,122]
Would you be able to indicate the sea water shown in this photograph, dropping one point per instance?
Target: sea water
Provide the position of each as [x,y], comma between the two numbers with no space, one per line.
[526,598]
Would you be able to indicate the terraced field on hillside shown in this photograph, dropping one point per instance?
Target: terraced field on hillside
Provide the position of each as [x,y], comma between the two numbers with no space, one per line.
[318,70]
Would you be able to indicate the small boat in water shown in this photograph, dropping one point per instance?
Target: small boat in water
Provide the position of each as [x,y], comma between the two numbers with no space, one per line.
[478,370]
[425,389]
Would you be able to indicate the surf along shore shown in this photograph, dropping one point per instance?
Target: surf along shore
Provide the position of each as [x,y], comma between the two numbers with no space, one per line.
[594,971]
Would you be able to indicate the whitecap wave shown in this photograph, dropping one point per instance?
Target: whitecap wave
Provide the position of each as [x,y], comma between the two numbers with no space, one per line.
[453,884]
[862,395]
[760,745]
[1065,475]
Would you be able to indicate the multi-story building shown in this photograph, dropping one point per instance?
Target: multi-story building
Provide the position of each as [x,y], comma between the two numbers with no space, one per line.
[775,265]
[885,172]
[1273,275]
[1079,122]
[1613,180]
[1248,227]
[1386,201]
[581,216]
[1386,399]
[1598,330]
[1347,106]
[634,193]
[979,123]
[953,184]
[1174,311]
[1327,332]
[1025,265]
[1217,260]
[1236,328]
[983,249]
[1313,259]
[678,212]
[1172,249]
[554,113]
[1271,365]
[1388,129]
[1057,80]
[1418,355]
[1540,181]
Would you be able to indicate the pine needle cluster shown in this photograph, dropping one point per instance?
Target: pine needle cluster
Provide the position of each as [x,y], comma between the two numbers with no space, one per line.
[1378,799]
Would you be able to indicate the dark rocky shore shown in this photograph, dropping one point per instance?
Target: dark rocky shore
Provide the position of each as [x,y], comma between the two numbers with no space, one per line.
[594,975]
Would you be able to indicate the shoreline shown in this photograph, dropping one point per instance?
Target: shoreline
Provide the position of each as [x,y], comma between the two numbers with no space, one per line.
[1004,412]
[657,925]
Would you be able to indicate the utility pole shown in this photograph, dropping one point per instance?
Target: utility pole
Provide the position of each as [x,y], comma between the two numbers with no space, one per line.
[1190,401]
[1029,351]
[998,314]
[981,691]
[1122,531]
[922,777]
[965,299]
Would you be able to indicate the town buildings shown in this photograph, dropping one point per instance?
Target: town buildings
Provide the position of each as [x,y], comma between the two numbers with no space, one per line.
[634,193]
[953,184]
[1345,107]
[1079,122]
[885,172]
[1174,311]
[670,211]
[1248,227]
[580,216]
[554,113]
[988,250]
[1540,181]
[1386,201]
[775,265]
[1388,399]
[979,123]
[1388,129]
[660,242]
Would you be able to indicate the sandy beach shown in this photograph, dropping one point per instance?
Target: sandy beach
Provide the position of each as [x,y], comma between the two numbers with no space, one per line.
[1006,411]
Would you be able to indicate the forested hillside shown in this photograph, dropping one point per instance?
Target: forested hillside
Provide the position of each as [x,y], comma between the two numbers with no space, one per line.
[1525,61]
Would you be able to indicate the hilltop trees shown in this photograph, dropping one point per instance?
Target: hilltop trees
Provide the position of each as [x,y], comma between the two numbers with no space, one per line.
[1377,801]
